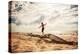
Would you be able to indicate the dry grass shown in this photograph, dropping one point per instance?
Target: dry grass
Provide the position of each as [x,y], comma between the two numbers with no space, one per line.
[23,42]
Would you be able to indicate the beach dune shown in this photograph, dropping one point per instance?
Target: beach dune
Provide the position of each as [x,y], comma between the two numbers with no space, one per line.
[29,42]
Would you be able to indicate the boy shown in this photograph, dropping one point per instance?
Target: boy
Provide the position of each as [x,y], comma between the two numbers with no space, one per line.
[42,27]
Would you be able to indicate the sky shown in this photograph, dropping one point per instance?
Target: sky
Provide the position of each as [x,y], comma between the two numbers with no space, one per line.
[60,18]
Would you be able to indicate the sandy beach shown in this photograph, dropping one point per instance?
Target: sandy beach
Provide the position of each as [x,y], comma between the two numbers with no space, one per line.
[28,42]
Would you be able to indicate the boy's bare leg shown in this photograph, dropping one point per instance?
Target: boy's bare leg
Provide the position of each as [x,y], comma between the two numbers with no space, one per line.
[42,31]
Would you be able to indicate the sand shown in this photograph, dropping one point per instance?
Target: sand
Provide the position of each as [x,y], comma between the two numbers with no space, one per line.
[28,42]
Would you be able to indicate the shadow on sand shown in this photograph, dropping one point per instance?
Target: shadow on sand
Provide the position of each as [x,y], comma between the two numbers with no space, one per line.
[53,38]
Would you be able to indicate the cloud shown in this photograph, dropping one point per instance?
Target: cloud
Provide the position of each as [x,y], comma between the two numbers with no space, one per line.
[74,6]
[59,18]
[38,21]
[14,20]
